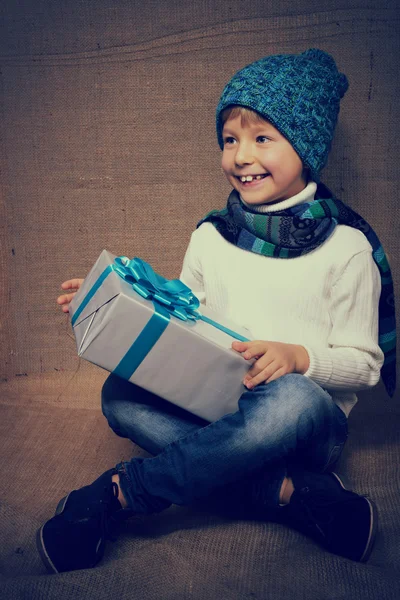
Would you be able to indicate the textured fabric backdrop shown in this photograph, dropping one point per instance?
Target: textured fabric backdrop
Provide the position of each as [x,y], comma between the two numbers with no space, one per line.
[109,136]
[107,128]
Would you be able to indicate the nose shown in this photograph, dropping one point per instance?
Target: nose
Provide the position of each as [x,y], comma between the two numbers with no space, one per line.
[244,154]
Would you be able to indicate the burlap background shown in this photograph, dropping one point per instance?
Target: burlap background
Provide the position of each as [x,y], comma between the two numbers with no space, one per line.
[108,142]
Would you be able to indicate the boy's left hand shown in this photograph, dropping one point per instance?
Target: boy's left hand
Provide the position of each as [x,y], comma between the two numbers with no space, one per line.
[274,359]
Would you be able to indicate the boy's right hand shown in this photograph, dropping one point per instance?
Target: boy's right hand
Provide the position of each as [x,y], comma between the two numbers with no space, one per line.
[71,286]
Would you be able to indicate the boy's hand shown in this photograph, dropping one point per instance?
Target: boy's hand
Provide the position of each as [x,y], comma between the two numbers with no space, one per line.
[274,360]
[68,286]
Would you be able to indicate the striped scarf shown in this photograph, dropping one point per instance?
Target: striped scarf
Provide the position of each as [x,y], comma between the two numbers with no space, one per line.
[300,229]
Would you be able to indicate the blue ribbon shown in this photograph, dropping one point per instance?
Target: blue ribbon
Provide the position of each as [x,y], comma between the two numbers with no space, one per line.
[169,297]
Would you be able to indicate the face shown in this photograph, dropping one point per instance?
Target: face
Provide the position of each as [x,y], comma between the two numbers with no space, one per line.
[260,163]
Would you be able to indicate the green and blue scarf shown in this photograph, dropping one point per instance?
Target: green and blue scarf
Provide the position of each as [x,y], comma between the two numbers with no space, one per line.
[300,229]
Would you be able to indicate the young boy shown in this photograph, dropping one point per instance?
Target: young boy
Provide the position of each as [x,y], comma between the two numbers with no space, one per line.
[302,272]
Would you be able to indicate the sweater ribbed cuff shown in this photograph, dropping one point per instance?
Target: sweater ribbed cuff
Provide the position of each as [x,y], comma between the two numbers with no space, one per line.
[344,369]
[320,368]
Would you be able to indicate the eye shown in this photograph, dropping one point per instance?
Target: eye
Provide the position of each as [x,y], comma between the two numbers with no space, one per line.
[262,139]
[229,140]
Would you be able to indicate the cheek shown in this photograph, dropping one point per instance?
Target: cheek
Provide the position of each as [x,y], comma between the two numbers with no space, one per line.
[289,165]
[226,163]
[294,163]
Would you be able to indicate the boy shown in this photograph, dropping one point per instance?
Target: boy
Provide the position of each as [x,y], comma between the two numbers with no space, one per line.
[289,262]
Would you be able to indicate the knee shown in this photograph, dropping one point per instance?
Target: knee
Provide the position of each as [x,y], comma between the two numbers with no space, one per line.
[304,398]
[108,392]
[295,382]
[294,396]
[111,395]
[124,406]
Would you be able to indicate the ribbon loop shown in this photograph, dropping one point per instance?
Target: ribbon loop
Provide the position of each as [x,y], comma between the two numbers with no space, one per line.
[173,294]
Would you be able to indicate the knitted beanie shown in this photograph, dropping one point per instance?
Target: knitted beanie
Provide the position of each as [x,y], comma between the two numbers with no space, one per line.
[299,94]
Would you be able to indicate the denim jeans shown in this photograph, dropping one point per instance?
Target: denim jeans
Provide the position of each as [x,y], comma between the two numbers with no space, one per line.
[237,463]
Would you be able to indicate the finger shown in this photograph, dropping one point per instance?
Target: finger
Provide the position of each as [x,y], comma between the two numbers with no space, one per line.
[260,365]
[256,350]
[240,346]
[65,298]
[279,373]
[71,284]
[262,377]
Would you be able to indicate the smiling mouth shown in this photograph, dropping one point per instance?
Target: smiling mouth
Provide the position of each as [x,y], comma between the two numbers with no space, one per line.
[250,178]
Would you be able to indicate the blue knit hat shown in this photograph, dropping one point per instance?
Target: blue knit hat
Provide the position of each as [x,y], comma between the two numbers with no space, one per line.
[299,94]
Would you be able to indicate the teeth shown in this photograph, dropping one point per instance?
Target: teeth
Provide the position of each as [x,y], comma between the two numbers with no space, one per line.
[245,178]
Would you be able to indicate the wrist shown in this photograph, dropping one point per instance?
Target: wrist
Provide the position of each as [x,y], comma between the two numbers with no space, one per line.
[302,360]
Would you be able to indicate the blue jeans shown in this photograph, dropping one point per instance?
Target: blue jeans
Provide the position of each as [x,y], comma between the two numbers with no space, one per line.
[237,463]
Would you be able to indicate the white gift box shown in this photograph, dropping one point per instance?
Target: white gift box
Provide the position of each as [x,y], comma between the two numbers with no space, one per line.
[191,364]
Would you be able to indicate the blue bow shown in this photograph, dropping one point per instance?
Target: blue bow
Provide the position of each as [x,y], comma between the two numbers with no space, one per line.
[174,295]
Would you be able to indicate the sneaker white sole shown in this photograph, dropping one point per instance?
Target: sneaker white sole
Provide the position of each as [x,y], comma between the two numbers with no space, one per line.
[43,553]
[40,541]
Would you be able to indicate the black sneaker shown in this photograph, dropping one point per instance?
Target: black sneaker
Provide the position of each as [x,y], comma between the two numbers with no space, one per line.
[75,537]
[342,521]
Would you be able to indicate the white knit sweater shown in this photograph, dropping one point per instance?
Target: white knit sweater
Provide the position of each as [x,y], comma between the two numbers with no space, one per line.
[326,300]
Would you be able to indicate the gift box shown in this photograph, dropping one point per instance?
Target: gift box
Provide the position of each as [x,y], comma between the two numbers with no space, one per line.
[154,333]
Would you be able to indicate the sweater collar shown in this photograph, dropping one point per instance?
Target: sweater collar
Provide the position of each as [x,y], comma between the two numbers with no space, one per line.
[306,195]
